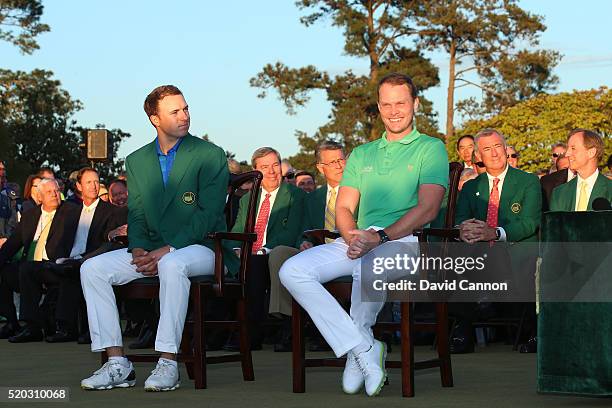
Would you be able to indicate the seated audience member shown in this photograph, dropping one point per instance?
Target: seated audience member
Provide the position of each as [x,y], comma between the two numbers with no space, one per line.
[288,172]
[31,198]
[319,213]
[279,218]
[103,193]
[503,204]
[465,149]
[513,156]
[558,150]
[40,235]
[118,193]
[85,230]
[305,181]
[46,172]
[609,165]
[479,165]
[552,180]
[234,166]
[584,149]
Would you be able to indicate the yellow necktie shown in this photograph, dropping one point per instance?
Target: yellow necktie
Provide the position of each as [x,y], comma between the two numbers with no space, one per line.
[42,240]
[330,214]
[582,197]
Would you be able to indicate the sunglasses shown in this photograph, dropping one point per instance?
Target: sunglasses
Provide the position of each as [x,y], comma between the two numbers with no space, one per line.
[513,155]
[480,164]
[555,155]
[289,176]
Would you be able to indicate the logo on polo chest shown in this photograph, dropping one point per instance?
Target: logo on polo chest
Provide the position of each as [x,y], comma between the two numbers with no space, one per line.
[516,208]
[189,197]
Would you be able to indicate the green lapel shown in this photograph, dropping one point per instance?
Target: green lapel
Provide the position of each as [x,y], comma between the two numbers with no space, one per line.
[283,197]
[600,189]
[151,168]
[483,196]
[570,195]
[320,203]
[181,163]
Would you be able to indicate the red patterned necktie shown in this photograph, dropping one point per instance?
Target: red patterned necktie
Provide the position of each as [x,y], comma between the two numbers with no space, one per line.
[493,208]
[262,223]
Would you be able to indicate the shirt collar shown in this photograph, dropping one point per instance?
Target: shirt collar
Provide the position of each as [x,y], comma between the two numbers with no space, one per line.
[591,179]
[501,177]
[272,193]
[330,188]
[409,138]
[47,213]
[173,150]
[92,206]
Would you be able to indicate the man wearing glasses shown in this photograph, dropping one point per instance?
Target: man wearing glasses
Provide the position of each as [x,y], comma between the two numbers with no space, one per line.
[558,150]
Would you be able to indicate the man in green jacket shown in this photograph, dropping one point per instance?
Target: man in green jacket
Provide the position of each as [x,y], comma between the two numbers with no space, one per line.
[177,186]
[280,212]
[502,204]
[319,213]
[585,150]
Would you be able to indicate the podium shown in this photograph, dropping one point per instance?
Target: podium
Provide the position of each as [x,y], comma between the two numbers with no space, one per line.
[575,338]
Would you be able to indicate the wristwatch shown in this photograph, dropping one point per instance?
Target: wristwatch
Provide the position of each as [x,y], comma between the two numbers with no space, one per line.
[171,249]
[497,234]
[383,236]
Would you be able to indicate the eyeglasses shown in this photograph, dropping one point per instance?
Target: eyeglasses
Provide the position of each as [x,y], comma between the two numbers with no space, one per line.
[337,162]
[513,155]
[555,155]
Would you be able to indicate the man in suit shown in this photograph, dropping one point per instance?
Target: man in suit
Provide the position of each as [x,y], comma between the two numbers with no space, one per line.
[552,180]
[398,182]
[585,149]
[305,181]
[502,204]
[280,212]
[177,186]
[465,149]
[41,237]
[319,213]
[558,150]
[86,229]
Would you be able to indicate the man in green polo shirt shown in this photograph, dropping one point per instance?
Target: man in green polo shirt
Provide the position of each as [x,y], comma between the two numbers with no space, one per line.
[398,182]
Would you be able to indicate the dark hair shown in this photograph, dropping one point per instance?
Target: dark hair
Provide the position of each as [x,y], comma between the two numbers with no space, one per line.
[83,171]
[45,169]
[327,145]
[27,189]
[117,181]
[610,162]
[304,173]
[398,79]
[463,137]
[591,140]
[151,103]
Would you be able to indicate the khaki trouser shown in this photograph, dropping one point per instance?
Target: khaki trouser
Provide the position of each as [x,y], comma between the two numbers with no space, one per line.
[280,299]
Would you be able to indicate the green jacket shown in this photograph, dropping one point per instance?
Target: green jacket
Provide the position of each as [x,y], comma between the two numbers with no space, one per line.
[314,212]
[190,206]
[564,196]
[286,216]
[520,204]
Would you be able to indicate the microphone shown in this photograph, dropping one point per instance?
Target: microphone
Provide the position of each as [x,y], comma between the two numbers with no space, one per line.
[601,204]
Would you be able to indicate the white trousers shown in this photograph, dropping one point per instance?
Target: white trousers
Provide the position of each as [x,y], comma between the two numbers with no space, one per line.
[304,274]
[99,274]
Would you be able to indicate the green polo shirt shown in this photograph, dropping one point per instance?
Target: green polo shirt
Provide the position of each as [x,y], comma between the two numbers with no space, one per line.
[388,175]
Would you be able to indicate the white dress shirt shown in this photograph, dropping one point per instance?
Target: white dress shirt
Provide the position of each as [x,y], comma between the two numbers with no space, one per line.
[589,189]
[80,240]
[271,199]
[500,185]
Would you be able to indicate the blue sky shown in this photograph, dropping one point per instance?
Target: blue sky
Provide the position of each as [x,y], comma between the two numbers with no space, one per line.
[110,54]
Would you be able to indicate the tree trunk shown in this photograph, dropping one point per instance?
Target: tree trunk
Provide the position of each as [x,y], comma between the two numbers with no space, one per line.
[374,60]
[450,99]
